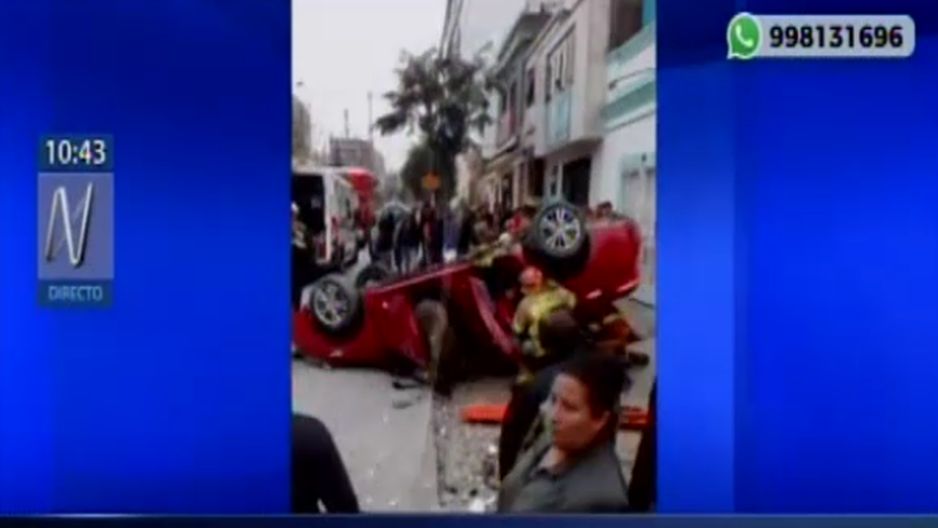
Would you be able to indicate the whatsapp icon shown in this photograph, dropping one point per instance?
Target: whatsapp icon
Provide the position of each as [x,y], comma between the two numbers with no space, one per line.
[743,36]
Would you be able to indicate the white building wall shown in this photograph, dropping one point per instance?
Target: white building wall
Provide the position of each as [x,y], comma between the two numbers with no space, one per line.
[635,138]
[590,21]
[536,115]
[629,160]
[595,76]
[625,75]
[533,133]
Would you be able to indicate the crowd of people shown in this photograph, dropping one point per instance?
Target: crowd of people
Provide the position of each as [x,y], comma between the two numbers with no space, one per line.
[409,239]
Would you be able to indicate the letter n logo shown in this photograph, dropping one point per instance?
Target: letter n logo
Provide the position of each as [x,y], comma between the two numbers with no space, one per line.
[66,219]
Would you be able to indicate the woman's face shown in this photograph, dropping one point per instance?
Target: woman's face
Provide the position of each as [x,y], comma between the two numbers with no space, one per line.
[574,425]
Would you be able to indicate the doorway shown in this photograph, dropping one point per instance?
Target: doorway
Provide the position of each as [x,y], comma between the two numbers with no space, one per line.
[576,181]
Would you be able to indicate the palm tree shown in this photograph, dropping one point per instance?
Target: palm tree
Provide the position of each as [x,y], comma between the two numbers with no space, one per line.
[444,99]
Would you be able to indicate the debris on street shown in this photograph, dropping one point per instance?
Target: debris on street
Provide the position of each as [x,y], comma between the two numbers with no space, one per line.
[467,453]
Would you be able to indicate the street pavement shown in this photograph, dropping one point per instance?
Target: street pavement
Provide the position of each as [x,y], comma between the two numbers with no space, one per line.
[383,434]
[642,318]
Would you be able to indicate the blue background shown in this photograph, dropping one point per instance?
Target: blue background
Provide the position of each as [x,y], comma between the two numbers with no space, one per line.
[178,398]
[798,240]
[798,270]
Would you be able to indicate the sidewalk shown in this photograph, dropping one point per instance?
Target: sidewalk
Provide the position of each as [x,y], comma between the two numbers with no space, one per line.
[383,434]
[643,319]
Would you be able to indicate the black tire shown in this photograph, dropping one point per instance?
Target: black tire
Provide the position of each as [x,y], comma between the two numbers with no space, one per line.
[335,305]
[561,255]
[440,339]
[371,275]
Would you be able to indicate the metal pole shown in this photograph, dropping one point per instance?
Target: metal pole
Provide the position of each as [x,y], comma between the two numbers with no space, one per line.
[346,124]
[370,122]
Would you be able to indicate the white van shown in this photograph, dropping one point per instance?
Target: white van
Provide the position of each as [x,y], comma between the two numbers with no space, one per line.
[327,204]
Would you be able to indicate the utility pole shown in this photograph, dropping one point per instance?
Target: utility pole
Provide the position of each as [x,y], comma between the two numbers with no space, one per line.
[370,121]
[346,124]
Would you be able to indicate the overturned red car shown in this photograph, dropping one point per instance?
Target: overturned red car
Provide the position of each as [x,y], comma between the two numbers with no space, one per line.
[384,324]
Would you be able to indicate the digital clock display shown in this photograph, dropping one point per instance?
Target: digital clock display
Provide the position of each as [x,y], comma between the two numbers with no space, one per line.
[76,153]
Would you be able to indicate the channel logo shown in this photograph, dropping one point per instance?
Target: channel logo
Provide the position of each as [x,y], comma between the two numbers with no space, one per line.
[76,246]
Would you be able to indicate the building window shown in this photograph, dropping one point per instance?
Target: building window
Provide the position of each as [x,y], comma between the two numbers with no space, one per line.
[529,80]
[560,64]
[625,20]
[575,184]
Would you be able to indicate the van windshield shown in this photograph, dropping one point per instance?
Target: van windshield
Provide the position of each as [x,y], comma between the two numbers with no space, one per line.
[309,195]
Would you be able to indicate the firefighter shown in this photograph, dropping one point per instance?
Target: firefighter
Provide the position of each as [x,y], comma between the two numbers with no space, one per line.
[541,299]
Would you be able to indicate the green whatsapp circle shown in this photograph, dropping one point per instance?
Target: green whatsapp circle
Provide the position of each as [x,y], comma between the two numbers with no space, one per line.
[744,36]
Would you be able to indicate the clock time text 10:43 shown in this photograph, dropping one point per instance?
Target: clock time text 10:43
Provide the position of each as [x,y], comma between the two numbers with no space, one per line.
[63,153]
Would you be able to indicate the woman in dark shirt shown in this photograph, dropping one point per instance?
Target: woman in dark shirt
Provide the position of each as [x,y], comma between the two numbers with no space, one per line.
[562,338]
[572,467]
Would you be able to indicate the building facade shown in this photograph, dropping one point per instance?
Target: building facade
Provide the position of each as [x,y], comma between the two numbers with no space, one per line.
[507,168]
[562,123]
[588,125]
[477,29]
[576,115]
[629,119]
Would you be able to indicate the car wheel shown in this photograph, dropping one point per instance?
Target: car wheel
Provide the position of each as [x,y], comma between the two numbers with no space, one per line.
[335,304]
[559,231]
[372,275]
[558,237]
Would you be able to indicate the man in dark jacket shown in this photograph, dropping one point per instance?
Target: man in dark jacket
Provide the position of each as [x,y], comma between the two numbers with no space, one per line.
[320,480]
[384,244]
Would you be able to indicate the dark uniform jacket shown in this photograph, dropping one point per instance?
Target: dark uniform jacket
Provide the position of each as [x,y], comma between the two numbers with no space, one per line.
[591,484]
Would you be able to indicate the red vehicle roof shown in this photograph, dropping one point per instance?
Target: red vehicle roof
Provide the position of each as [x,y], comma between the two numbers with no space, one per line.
[361,178]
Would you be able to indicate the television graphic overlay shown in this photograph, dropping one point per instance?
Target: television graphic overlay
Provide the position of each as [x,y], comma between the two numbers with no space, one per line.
[75,221]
